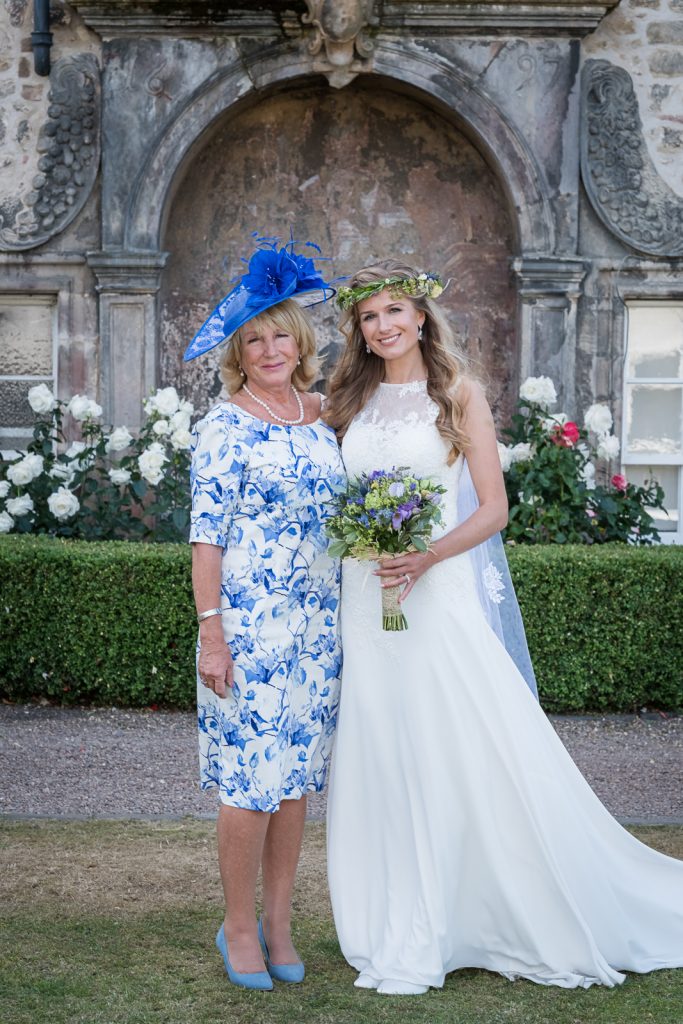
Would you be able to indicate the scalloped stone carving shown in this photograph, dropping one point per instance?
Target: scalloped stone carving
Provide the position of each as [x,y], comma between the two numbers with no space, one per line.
[69,147]
[623,184]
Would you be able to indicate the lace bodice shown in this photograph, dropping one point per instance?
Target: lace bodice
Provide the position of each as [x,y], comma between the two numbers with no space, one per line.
[398,428]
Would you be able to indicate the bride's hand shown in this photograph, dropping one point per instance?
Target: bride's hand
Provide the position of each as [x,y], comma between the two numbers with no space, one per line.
[405,569]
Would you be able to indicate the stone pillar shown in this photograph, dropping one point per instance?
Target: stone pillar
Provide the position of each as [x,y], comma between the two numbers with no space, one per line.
[127,284]
[549,289]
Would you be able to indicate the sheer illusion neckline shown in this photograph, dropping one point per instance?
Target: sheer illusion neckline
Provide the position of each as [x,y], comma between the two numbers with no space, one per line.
[410,386]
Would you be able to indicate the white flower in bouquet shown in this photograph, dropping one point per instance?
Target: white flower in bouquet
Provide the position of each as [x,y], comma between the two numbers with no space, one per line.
[186,407]
[151,463]
[181,439]
[166,401]
[180,420]
[161,427]
[41,399]
[4,488]
[505,456]
[63,504]
[598,418]
[608,447]
[6,522]
[119,476]
[119,439]
[539,390]
[83,408]
[587,474]
[23,472]
[522,452]
[20,506]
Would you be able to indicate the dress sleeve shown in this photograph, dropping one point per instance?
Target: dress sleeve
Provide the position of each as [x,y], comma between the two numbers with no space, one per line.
[215,478]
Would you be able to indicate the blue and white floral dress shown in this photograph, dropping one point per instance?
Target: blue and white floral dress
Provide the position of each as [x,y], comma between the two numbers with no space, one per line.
[263,492]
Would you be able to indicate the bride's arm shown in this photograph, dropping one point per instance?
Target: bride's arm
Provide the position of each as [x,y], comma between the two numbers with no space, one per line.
[487,477]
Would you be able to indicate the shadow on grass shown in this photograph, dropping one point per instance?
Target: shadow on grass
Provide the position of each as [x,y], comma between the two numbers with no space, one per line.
[99,946]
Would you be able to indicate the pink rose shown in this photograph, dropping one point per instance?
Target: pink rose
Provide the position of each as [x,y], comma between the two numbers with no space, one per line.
[566,435]
[590,513]
[619,482]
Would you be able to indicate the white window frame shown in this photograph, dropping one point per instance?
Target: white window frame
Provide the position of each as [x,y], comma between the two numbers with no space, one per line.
[636,458]
[44,299]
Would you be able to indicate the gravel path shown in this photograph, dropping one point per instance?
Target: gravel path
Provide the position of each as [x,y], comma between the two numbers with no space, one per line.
[110,763]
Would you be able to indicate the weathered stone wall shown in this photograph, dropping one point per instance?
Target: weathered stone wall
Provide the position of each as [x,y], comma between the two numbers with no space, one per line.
[646,38]
[365,173]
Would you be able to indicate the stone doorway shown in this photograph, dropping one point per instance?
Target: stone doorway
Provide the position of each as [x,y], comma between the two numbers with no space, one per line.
[365,172]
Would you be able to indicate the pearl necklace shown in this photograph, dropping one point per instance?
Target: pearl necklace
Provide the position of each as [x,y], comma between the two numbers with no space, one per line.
[274,415]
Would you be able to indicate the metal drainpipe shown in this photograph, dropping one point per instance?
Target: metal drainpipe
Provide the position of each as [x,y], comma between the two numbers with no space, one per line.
[41,37]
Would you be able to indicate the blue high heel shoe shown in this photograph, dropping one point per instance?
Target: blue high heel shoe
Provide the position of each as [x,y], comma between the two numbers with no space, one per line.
[281,972]
[254,979]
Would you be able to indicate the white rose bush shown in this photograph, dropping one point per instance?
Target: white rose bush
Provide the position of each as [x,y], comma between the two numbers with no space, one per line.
[561,480]
[106,484]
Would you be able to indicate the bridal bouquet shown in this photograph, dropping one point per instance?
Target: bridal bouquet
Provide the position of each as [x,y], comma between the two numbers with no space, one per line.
[385,513]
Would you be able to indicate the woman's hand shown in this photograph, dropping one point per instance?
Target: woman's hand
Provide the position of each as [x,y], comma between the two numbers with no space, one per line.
[215,660]
[408,568]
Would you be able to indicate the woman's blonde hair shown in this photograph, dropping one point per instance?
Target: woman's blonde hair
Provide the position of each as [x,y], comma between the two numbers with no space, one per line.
[358,373]
[286,316]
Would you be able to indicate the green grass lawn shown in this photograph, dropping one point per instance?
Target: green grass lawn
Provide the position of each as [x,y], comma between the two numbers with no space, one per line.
[113,922]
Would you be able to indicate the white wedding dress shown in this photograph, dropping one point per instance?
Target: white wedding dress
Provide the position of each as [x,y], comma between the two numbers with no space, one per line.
[460,832]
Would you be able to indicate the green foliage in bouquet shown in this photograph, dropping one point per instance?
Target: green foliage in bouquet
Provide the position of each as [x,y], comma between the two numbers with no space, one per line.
[108,484]
[559,484]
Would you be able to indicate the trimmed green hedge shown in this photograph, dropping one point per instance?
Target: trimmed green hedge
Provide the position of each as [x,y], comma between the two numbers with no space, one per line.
[113,623]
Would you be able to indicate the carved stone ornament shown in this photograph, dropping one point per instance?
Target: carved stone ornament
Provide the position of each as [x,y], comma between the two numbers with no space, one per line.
[339,26]
[69,147]
[622,182]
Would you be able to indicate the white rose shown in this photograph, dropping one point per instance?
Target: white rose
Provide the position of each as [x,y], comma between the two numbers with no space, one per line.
[41,399]
[6,522]
[23,472]
[162,427]
[94,410]
[505,456]
[75,454]
[151,462]
[63,471]
[4,488]
[20,506]
[608,447]
[63,503]
[558,419]
[119,439]
[186,407]
[79,406]
[522,452]
[181,439]
[598,418]
[180,420]
[166,401]
[587,474]
[540,390]
[119,476]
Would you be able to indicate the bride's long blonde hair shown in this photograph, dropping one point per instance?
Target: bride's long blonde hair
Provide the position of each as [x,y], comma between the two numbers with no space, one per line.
[358,373]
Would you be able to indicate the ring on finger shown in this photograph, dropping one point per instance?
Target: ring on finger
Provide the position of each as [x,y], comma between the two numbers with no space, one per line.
[408,577]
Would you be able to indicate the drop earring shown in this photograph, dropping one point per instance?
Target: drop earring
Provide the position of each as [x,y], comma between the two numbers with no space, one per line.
[242,373]
[367,349]
[298,362]
[419,333]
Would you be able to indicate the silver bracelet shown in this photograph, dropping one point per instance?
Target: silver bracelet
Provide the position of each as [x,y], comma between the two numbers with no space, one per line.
[207,615]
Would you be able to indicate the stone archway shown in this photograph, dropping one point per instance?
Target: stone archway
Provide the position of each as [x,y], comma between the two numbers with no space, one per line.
[365,173]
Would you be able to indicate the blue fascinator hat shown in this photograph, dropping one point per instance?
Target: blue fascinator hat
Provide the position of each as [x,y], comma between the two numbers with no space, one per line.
[274,274]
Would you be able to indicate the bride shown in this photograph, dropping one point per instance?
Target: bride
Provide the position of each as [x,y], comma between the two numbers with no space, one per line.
[460,832]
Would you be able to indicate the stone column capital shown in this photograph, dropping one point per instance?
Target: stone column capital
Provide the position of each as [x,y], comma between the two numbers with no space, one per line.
[550,279]
[131,273]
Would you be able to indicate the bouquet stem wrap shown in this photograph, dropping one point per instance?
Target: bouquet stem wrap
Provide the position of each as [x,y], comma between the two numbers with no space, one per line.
[393,618]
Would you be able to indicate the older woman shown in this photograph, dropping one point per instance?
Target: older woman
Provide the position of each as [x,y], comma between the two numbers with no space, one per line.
[264,470]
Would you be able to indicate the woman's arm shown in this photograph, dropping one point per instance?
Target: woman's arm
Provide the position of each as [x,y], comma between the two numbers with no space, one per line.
[489,518]
[215,661]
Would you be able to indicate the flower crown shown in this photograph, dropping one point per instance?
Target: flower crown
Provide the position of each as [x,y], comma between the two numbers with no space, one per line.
[424,284]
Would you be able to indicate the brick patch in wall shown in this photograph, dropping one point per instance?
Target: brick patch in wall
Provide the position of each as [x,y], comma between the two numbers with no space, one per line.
[667,62]
[665,32]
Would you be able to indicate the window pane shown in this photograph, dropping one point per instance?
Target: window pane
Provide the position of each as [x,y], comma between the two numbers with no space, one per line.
[14,408]
[26,339]
[654,418]
[655,341]
[667,478]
